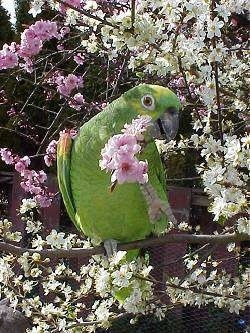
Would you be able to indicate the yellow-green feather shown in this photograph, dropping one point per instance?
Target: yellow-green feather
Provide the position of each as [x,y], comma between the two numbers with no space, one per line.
[63,174]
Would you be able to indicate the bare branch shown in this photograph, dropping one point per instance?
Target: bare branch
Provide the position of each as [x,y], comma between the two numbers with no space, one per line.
[216,78]
[132,14]
[149,242]
[182,179]
[28,137]
[86,13]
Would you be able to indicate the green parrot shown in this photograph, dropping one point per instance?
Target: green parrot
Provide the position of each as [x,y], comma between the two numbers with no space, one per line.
[122,214]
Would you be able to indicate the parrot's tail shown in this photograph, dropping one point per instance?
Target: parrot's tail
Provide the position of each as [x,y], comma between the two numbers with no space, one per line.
[132,254]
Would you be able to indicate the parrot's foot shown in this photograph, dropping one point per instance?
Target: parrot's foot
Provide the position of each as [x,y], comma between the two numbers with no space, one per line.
[157,207]
[110,246]
[155,204]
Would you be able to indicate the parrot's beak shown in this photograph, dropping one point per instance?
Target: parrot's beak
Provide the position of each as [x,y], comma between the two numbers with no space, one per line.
[166,126]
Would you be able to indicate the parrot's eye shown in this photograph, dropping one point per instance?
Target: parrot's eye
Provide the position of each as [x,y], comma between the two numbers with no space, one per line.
[148,102]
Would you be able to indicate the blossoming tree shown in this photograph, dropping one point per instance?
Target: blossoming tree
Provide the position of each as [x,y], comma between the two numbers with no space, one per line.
[196,47]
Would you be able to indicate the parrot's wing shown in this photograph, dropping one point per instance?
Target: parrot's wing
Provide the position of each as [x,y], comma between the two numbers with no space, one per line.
[63,174]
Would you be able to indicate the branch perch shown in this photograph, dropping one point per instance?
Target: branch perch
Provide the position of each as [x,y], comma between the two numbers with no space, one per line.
[149,242]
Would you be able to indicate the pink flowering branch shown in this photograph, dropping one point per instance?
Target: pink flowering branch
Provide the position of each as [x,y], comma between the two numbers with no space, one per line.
[32,40]
[32,181]
[119,154]
[143,243]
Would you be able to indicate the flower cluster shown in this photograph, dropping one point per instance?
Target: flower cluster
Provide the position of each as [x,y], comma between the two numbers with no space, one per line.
[66,84]
[67,87]
[8,56]
[243,225]
[205,284]
[225,174]
[27,205]
[7,234]
[32,181]
[50,156]
[32,40]
[105,277]
[118,155]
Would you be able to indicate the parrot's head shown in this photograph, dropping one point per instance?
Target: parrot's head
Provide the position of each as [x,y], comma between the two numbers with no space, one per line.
[158,102]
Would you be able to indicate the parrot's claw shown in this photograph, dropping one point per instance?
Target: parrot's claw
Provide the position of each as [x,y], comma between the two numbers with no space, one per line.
[155,210]
[155,204]
[110,246]
[157,207]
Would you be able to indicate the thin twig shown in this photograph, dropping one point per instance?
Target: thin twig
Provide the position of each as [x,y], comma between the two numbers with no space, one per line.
[216,78]
[132,14]
[86,13]
[203,292]
[120,74]
[20,134]
[182,179]
[187,87]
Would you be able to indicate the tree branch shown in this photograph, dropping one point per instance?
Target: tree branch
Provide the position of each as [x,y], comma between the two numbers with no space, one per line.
[86,13]
[28,137]
[149,242]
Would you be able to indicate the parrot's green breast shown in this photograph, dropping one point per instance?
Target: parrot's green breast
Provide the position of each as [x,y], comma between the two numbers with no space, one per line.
[101,214]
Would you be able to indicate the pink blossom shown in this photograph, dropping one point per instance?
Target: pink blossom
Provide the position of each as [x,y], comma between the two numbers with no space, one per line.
[44,30]
[6,156]
[50,156]
[43,200]
[32,38]
[234,22]
[68,83]
[77,101]
[11,112]
[74,3]
[202,112]
[64,31]
[22,164]
[41,176]
[118,145]
[138,126]
[79,59]
[31,181]
[28,65]
[130,170]
[29,48]
[8,57]
[180,82]
[31,188]
[118,155]
[60,47]
[181,97]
